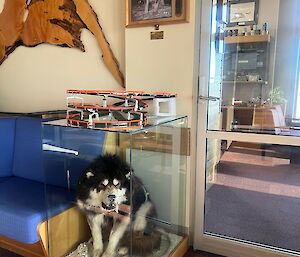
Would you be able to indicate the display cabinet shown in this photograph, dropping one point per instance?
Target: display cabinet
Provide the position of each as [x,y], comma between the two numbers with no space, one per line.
[156,154]
[246,69]
[245,80]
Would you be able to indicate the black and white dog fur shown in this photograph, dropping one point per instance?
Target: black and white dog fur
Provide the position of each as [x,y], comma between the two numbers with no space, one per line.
[154,4]
[102,187]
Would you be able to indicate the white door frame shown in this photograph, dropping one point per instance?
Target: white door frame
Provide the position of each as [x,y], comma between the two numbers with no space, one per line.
[206,242]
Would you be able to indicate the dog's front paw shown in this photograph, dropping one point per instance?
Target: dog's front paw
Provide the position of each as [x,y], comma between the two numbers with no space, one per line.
[123,251]
[139,224]
[97,252]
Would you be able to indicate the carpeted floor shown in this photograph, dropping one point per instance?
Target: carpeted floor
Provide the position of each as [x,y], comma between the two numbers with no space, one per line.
[257,199]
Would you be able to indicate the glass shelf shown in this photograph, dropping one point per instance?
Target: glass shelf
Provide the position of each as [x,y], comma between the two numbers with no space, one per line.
[152,122]
[244,82]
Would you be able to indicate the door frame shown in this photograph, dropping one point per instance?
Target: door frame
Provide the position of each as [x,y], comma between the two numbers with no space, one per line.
[208,242]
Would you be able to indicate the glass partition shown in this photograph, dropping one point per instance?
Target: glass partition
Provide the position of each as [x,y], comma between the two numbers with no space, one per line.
[248,129]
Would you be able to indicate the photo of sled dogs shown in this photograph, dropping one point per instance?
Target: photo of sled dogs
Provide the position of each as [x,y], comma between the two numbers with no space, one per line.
[151,9]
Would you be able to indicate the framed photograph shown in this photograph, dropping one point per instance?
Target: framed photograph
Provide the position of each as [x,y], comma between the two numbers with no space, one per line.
[242,12]
[155,12]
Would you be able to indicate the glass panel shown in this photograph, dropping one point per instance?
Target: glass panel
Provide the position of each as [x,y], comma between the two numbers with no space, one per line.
[67,154]
[158,158]
[255,70]
[252,193]
[154,168]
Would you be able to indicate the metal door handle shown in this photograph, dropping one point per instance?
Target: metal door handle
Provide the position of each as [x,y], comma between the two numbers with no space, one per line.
[208,98]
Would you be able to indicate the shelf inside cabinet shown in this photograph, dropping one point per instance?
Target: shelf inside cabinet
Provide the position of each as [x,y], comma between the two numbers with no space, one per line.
[246,39]
[245,82]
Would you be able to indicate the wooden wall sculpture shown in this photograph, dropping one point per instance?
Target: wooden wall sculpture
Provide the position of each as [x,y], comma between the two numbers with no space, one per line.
[57,22]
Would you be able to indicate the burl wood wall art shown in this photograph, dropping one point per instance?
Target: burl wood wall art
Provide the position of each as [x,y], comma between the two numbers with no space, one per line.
[57,22]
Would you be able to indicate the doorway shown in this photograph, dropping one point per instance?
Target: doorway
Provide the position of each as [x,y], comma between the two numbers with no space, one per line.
[248,145]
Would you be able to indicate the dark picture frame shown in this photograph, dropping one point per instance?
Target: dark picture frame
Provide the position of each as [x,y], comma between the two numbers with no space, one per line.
[242,12]
[155,12]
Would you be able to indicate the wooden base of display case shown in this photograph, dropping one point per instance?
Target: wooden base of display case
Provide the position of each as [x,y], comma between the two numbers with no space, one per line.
[62,233]
[181,248]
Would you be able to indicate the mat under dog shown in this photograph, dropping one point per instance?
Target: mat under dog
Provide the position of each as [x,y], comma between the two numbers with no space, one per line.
[85,249]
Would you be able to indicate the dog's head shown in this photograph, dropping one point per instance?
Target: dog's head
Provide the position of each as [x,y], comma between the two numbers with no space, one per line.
[104,184]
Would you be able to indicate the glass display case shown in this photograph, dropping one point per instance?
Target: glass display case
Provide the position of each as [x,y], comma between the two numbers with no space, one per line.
[245,79]
[149,217]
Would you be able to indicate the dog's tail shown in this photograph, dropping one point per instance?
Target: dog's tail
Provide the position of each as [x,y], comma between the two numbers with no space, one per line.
[165,244]
[154,244]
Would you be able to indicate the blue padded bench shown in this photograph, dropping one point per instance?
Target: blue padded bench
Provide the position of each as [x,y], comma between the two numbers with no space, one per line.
[22,207]
[25,170]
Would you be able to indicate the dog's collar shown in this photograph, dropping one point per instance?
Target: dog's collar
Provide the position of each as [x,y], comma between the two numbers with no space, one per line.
[97,208]
[93,208]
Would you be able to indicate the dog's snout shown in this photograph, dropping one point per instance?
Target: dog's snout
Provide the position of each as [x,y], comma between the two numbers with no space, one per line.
[111,197]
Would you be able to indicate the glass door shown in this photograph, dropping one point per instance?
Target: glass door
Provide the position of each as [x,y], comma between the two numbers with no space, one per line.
[248,145]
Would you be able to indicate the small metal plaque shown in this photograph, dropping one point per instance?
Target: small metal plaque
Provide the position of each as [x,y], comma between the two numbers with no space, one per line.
[157,35]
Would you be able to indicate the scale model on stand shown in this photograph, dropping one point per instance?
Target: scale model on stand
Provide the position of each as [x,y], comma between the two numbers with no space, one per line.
[109,114]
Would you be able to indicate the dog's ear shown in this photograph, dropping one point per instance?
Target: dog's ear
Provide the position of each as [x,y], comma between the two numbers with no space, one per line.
[89,173]
[86,175]
[128,174]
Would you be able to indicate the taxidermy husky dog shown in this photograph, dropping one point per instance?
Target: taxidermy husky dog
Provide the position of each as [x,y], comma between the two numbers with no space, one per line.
[102,190]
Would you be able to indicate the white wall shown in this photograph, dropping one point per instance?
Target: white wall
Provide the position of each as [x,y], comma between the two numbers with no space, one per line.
[167,65]
[163,65]
[268,12]
[36,79]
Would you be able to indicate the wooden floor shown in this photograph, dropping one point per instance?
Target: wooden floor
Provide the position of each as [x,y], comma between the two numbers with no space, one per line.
[192,253]
[4,253]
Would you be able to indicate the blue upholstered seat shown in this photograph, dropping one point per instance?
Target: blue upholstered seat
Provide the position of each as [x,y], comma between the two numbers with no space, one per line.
[23,207]
[33,184]
[2,179]
[7,143]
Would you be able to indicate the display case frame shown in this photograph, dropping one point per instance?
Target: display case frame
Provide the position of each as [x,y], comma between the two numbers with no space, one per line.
[158,155]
